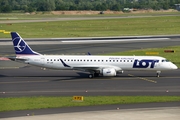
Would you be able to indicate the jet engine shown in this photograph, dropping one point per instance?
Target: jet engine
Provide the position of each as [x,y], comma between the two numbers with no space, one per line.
[109,72]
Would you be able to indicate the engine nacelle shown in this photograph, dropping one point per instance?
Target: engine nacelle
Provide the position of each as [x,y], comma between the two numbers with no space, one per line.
[109,72]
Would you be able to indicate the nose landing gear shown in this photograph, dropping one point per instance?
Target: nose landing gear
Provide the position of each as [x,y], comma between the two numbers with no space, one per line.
[158,73]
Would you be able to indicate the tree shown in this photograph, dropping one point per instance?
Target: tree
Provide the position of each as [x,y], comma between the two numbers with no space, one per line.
[77,1]
[101,5]
[165,6]
[6,9]
[45,5]
[29,9]
[73,7]
[116,7]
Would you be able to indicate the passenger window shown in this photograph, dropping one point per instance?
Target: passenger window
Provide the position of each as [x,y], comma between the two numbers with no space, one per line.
[167,60]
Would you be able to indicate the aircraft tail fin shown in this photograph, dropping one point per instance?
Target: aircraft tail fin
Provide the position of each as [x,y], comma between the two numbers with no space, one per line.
[20,46]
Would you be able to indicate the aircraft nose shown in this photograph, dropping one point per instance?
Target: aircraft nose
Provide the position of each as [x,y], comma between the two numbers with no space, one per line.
[173,66]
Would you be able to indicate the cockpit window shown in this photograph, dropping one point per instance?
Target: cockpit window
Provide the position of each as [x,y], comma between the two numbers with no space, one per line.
[165,60]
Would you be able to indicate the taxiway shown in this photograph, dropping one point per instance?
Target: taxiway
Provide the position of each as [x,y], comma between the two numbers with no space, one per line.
[21,80]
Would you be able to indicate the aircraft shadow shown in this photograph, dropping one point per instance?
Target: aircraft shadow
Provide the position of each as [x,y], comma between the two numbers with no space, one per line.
[3,76]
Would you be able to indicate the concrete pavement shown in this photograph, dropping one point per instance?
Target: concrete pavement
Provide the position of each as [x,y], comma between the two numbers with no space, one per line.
[161,113]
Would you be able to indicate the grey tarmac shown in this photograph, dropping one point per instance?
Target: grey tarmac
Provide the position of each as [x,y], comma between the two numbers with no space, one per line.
[23,80]
[34,81]
[118,113]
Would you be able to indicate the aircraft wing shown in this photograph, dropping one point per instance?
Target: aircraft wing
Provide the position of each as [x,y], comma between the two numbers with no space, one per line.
[90,67]
[94,67]
[86,67]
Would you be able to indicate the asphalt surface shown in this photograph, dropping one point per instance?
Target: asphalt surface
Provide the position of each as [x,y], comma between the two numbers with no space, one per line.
[83,110]
[93,48]
[33,81]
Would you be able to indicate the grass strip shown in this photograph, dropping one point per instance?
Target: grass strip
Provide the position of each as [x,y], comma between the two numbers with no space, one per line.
[96,28]
[27,103]
[172,56]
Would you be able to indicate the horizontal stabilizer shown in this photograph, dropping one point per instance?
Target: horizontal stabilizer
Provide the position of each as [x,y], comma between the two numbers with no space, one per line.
[15,59]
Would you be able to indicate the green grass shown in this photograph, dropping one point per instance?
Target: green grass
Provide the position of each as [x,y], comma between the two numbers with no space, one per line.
[173,57]
[27,103]
[96,28]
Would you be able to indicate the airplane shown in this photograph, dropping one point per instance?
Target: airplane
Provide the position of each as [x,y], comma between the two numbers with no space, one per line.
[96,65]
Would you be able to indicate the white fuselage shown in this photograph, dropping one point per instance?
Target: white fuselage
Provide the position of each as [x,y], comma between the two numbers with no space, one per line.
[95,64]
[116,62]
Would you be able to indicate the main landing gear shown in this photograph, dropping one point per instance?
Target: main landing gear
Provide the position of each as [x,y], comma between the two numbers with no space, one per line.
[158,73]
[93,74]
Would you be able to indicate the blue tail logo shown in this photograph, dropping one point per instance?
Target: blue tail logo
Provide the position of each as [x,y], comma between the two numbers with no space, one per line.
[20,46]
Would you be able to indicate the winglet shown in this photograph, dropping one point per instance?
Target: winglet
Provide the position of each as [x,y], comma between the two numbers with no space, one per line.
[20,46]
[65,65]
[89,53]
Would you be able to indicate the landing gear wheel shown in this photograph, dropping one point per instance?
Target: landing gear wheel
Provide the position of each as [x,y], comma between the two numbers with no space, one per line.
[158,73]
[90,75]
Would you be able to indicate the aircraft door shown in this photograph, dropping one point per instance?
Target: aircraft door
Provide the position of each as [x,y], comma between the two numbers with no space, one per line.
[156,63]
[42,61]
